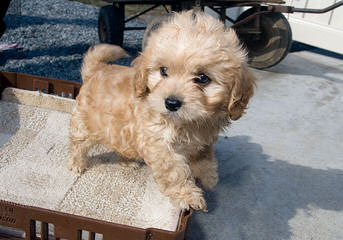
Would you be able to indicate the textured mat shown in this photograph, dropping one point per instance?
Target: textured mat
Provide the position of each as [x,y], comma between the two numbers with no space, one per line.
[33,155]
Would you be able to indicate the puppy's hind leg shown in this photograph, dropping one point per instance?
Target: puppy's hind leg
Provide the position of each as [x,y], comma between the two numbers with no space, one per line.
[129,163]
[80,143]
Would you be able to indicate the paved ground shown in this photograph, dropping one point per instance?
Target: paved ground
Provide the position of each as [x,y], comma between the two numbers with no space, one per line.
[281,165]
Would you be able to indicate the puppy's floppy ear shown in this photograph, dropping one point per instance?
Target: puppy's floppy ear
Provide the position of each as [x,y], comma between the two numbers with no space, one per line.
[241,92]
[141,77]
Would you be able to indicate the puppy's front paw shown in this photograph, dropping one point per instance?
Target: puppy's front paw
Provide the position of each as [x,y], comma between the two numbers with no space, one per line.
[198,204]
[195,200]
[77,167]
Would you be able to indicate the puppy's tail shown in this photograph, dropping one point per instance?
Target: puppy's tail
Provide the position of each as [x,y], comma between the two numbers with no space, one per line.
[98,56]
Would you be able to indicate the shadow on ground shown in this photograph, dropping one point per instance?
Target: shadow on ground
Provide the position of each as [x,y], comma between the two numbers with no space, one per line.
[306,66]
[299,47]
[257,196]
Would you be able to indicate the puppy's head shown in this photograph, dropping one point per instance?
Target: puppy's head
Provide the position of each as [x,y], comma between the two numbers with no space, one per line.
[193,68]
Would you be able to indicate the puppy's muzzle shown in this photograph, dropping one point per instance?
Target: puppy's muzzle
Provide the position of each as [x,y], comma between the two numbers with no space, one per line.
[172,104]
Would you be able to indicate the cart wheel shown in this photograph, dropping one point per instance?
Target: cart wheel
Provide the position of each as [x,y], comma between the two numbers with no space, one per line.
[153,25]
[111,25]
[273,43]
[2,27]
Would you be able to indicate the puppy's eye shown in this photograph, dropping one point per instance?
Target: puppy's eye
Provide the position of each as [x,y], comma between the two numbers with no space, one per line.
[202,79]
[163,71]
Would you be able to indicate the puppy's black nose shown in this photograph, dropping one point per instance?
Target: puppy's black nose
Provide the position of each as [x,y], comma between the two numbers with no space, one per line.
[172,104]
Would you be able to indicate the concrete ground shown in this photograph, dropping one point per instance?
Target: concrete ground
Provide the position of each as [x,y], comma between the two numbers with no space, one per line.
[281,164]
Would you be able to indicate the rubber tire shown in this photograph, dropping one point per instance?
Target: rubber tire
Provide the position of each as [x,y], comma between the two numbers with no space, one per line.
[153,25]
[2,28]
[111,25]
[273,43]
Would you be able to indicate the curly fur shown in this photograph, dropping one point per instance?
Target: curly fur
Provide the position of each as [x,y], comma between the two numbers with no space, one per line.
[124,107]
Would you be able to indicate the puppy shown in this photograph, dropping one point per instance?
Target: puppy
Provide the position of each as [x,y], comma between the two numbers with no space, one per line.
[167,109]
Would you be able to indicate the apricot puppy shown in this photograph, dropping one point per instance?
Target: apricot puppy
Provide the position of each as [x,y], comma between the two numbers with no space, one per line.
[167,109]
